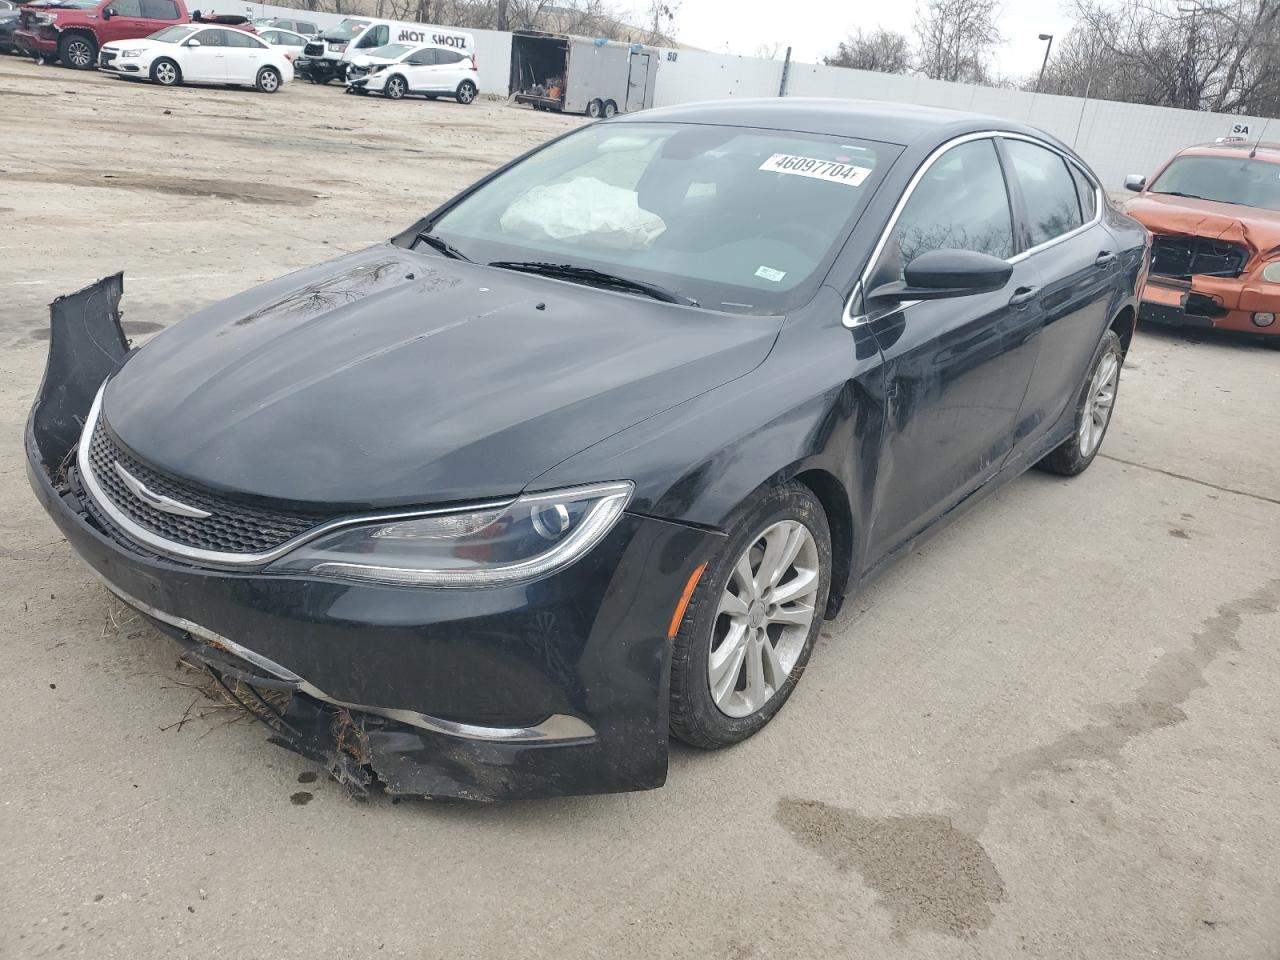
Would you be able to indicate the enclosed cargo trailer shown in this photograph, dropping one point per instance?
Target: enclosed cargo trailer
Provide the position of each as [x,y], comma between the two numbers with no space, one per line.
[577,75]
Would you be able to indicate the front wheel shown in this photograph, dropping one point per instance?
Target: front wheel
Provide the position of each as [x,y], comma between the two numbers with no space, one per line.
[166,73]
[752,621]
[594,109]
[268,80]
[77,51]
[395,88]
[466,91]
[1093,411]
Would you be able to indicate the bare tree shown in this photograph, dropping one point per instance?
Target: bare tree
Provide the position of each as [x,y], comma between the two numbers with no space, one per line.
[884,51]
[955,39]
[1221,55]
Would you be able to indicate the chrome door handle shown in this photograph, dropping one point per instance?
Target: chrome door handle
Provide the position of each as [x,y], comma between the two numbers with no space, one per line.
[1023,296]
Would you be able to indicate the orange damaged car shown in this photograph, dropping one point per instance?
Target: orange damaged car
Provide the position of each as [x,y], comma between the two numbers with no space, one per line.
[1214,215]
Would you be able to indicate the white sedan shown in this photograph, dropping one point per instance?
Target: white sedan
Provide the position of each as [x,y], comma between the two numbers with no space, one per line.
[192,53]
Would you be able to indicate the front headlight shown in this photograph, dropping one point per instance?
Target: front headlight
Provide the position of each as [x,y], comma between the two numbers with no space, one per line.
[529,538]
[43,19]
[131,53]
[377,67]
[1271,272]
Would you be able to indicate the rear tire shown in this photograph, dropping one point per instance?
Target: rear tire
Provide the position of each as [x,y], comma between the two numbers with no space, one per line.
[77,51]
[1094,406]
[466,92]
[733,609]
[594,109]
[268,80]
[610,109]
[395,88]
[166,73]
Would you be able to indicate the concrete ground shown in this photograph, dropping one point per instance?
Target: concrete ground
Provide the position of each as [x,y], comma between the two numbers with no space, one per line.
[1054,731]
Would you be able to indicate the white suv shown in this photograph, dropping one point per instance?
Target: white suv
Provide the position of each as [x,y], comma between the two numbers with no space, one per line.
[398,70]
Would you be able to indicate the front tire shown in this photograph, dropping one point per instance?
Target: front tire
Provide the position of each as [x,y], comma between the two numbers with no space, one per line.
[466,92]
[594,109]
[752,621]
[1094,407]
[166,73]
[77,51]
[395,88]
[268,80]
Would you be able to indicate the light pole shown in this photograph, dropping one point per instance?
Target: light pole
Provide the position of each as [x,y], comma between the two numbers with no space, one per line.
[1045,62]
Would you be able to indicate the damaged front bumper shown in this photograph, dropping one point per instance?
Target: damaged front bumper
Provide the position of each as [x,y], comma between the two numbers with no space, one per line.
[1211,303]
[544,689]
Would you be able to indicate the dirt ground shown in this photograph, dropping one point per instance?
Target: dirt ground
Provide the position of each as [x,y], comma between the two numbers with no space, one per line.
[1054,731]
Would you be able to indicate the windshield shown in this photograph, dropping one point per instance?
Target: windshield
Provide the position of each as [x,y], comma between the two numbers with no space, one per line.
[172,34]
[739,219]
[392,51]
[346,30]
[1251,183]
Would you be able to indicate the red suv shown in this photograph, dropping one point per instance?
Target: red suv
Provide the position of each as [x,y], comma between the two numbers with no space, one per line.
[73,30]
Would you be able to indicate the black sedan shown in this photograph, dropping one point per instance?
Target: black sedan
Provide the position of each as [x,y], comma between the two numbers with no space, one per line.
[582,459]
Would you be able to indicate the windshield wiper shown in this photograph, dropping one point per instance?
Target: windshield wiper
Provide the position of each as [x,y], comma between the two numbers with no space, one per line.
[1179,193]
[444,246]
[568,271]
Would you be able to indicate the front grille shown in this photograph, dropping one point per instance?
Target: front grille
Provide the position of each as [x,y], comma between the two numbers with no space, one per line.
[105,57]
[1184,257]
[314,49]
[355,73]
[234,526]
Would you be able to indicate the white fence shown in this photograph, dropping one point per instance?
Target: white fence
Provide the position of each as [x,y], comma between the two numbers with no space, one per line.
[1116,138]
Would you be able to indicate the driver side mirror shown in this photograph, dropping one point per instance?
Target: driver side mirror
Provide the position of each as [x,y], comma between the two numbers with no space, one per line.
[108,13]
[192,43]
[941,274]
[1135,182]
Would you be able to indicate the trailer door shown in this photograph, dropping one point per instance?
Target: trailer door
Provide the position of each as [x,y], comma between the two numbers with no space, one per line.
[637,82]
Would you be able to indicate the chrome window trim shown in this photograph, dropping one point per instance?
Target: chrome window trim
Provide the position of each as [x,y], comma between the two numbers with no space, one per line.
[218,558]
[556,727]
[851,320]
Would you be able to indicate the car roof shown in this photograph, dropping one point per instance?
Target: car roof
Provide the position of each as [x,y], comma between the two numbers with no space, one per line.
[1260,150]
[898,123]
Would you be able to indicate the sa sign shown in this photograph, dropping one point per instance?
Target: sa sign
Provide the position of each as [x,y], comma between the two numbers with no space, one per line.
[1239,130]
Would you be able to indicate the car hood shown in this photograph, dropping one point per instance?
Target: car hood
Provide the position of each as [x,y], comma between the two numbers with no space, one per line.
[365,60]
[392,377]
[141,43]
[1255,228]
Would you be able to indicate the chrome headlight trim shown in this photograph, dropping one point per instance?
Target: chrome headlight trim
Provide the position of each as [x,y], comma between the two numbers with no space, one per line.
[213,558]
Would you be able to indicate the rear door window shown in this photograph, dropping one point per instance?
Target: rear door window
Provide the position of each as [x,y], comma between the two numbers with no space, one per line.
[160,10]
[1087,191]
[1048,190]
[238,38]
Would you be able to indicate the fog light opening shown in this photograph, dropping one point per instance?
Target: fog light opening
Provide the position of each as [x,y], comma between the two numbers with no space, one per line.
[1263,319]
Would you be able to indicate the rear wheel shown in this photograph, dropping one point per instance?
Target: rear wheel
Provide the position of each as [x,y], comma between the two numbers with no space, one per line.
[1093,411]
[77,51]
[751,624]
[166,73]
[268,80]
[466,91]
[610,109]
[595,108]
[395,88]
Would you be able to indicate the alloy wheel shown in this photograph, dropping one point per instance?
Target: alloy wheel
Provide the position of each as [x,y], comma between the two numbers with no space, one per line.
[395,88]
[79,53]
[269,81]
[763,618]
[1098,404]
[466,93]
[166,73]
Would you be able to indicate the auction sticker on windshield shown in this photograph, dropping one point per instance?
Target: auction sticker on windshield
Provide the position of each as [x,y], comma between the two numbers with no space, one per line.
[818,169]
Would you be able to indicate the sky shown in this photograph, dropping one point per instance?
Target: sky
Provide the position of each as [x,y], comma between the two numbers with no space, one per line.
[812,28]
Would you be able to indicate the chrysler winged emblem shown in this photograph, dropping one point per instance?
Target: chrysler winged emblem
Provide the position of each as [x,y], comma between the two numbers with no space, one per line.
[157,500]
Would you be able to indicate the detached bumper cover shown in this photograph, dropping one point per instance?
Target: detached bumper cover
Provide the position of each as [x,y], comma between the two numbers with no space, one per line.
[548,688]
[1221,303]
